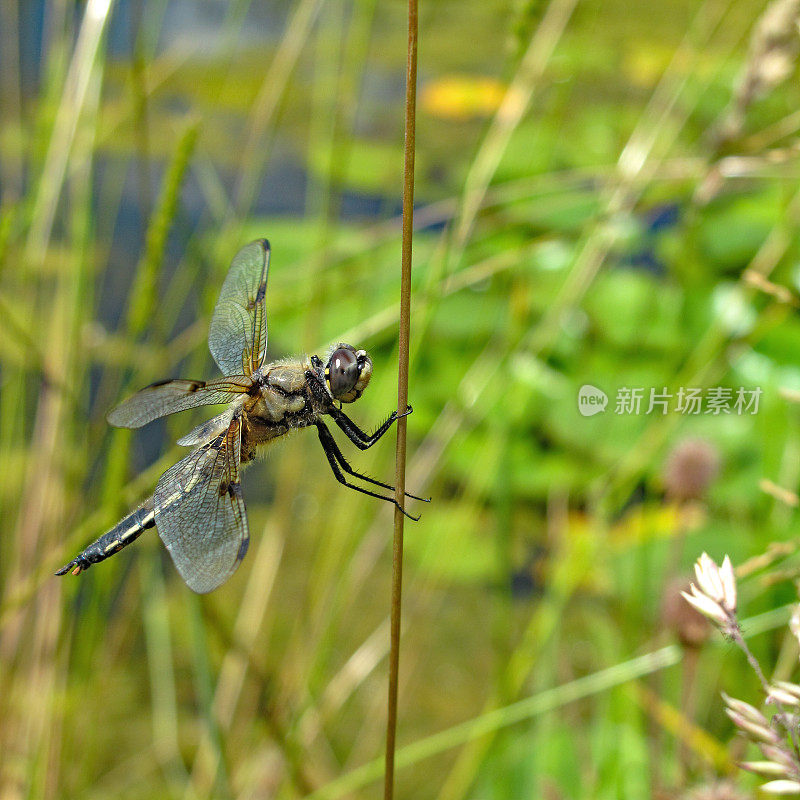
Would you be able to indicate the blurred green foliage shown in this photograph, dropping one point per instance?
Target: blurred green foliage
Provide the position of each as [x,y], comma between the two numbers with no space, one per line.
[626,238]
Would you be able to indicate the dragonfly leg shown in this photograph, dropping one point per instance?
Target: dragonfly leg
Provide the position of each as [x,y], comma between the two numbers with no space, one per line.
[338,463]
[362,440]
[329,444]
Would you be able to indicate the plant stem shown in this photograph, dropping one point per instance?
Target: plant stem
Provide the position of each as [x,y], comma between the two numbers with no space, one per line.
[402,394]
[736,635]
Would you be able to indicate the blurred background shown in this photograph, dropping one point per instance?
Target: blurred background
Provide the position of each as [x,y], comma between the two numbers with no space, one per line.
[607,197]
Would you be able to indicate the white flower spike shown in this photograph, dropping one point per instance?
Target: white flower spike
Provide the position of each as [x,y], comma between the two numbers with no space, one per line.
[728,584]
[706,606]
[714,595]
[781,787]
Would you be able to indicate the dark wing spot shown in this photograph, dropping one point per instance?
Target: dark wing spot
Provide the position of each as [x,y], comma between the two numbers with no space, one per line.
[215,443]
[192,386]
[252,302]
[243,549]
[233,489]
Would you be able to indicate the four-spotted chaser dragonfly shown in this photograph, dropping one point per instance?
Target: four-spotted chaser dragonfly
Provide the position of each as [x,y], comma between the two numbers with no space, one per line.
[197,506]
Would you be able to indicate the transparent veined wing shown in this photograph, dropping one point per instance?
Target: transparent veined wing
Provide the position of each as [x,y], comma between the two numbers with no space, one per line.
[200,514]
[209,429]
[167,397]
[237,336]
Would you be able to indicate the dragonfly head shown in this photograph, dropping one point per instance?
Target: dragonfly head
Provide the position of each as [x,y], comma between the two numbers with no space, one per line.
[348,372]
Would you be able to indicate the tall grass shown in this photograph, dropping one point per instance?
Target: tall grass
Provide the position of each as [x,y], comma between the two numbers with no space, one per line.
[129,176]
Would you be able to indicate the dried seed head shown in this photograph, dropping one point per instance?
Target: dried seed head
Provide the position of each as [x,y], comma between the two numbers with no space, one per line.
[782,787]
[771,59]
[777,694]
[779,756]
[690,468]
[754,731]
[745,709]
[773,49]
[767,769]
[707,607]
[683,619]
[728,579]
[714,595]
[792,688]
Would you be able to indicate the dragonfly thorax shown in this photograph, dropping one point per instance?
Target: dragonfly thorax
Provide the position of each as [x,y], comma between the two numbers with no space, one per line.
[282,391]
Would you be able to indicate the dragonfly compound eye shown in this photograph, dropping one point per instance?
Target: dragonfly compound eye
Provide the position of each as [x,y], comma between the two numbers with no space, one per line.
[348,373]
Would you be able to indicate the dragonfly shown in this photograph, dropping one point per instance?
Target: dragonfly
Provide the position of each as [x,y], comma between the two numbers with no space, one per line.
[197,507]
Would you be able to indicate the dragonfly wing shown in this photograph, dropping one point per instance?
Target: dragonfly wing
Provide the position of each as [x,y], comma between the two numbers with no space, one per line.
[200,513]
[209,429]
[237,336]
[167,397]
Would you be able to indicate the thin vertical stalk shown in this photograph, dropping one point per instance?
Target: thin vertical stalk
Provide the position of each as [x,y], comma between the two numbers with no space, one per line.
[140,113]
[402,394]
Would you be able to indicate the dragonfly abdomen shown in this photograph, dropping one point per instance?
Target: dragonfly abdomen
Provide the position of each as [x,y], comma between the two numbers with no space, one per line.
[127,530]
